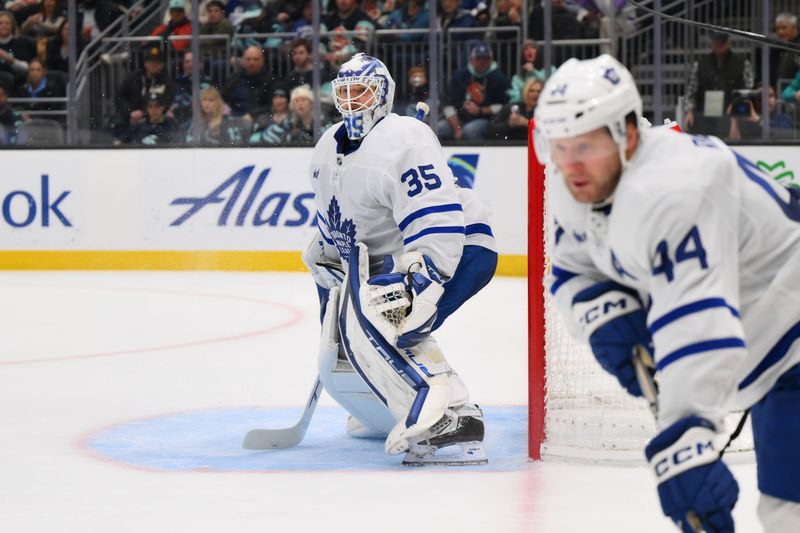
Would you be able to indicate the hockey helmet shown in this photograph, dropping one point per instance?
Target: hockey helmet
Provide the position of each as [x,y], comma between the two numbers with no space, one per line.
[363,92]
[583,96]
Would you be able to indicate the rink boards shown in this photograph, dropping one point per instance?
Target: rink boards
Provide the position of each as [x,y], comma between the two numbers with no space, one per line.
[215,209]
[232,209]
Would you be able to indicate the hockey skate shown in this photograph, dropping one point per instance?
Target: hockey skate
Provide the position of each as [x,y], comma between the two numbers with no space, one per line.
[455,440]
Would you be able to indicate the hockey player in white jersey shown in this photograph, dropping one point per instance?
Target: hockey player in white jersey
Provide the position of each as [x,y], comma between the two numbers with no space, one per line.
[678,244]
[414,247]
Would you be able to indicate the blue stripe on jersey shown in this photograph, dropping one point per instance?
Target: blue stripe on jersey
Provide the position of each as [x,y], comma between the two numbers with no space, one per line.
[777,353]
[699,347]
[322,229]
[562,276]
[429,231]
[484,229]
[322,218]
[427,211]
[688,309]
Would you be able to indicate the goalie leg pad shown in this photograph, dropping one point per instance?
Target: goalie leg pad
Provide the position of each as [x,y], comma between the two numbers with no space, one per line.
[416,384]
[370,417]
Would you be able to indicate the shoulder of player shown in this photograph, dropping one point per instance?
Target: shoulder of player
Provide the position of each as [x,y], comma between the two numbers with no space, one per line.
[327,136]
[403,130]
[673,172]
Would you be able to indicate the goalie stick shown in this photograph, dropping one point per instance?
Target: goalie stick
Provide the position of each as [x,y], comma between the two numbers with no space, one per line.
[270,439]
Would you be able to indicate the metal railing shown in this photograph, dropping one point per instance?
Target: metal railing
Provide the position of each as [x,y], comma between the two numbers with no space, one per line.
[660,60]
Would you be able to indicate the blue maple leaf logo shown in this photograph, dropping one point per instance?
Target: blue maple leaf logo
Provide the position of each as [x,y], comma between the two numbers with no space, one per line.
[343,232]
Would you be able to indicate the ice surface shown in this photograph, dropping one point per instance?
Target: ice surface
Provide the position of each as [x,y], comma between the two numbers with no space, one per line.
[192,360]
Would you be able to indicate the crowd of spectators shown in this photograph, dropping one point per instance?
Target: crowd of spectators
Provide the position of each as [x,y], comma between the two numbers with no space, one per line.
[247,99]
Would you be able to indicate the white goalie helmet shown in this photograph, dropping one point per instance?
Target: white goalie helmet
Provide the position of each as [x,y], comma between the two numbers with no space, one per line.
[363,92]
[583,96]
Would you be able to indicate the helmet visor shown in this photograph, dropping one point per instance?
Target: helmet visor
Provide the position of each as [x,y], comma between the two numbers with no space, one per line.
[356,94]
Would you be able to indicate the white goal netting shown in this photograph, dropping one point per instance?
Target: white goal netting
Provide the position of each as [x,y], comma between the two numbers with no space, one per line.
[588,415]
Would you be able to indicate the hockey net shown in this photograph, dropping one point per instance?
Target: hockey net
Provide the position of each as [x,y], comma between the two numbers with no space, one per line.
[576,410]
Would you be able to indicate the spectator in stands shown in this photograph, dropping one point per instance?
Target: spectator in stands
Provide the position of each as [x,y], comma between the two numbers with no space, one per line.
[181,108]
[783,64]
[157,128]
[303,71]
[413,15]
[15,50]
[265,22]
[46,21]
[217,24]
[187,9]
[713,79]
[354,29]
[21,9]
[249,92]
[417,91]
[178,25]
[527,71]
[502,13]
[240,10]
[289,10]
[302,25]
[275,127]
[38,86]
[131,94]
[607,19]
[565,22]
[378,11]
[10,118]
[477,93]
[791,93]
[216,129]
[451,15]
[302,118]
[512,121]
[747,120]
[56,56]
[94,16]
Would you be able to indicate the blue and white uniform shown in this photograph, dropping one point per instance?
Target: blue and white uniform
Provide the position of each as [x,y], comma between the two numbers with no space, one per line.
[395,193]
[712,245]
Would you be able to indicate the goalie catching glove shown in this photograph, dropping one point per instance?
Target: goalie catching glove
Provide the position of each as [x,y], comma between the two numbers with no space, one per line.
[696,489]
[408,296]
[614,323]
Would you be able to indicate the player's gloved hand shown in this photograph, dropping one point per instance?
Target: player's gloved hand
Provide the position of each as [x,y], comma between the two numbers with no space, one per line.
[614,323]
[696,489]
[327,274]
[422,283]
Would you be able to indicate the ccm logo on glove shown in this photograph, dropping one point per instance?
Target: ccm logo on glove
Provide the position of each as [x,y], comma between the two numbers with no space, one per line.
[695,448]
[598,311]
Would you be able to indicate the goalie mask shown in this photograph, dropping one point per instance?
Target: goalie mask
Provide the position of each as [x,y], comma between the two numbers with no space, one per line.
[363,92]
[583,96]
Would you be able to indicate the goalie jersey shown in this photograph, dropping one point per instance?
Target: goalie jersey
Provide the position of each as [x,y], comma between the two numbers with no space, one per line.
[712,245]
[395,193]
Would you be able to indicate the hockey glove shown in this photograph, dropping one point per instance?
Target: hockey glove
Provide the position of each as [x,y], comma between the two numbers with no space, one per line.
[327,274]
[613,321]
[696,489]
[422,284]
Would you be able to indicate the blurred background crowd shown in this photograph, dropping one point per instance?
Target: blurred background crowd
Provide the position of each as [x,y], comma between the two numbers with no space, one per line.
[482,67]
